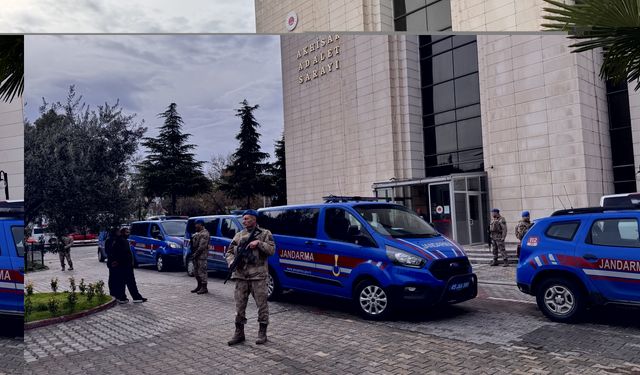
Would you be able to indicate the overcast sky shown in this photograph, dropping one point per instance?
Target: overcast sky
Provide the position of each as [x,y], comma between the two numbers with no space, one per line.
[127,16]
[206,75]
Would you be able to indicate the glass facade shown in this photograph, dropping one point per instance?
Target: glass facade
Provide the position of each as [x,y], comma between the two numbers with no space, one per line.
[451,104]
[422,15]
[624,169]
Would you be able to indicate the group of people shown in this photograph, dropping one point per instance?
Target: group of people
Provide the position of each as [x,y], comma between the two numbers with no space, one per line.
[498,233]
[120,263]
[250,276]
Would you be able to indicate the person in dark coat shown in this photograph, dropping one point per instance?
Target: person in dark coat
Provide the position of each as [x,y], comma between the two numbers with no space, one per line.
[122,263]
[108,249]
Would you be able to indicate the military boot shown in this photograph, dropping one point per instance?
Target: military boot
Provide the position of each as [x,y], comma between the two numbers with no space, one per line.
[494,262]
[203,289]
[238,336]
[70,266]
[262,334]
[197,288]
[506,263]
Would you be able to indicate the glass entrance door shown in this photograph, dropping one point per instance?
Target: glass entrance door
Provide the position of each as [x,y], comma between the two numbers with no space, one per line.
[476,218]
[440,208]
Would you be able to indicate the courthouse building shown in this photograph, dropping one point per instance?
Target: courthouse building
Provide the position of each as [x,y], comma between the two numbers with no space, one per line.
[282,16]
[456,125]
[452,124]
[12,148]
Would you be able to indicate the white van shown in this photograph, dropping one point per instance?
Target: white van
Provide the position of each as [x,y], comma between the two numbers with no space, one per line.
[620,200]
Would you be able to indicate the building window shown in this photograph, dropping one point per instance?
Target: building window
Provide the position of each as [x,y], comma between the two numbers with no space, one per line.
[422,15]
[451,104]
[624,170]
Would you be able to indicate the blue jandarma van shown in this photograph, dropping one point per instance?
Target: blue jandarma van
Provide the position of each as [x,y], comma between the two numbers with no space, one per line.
[379,255]
[221,229]
[12,258]
[157,242]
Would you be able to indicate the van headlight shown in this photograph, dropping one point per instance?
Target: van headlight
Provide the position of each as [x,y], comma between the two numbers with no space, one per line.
[404,258]
[173,245]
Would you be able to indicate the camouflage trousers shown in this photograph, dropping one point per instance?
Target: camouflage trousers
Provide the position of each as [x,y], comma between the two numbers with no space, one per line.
[498,246]
[258,289]
[65,255]
[200,269]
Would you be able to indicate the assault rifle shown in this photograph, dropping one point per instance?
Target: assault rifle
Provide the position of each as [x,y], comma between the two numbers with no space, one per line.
[243,255]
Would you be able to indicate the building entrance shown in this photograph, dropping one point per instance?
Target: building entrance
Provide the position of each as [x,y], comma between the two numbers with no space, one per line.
[456,205]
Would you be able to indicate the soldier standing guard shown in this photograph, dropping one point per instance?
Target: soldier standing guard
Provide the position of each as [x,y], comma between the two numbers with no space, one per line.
[498,232]
[64,252]
[251,278]
[521,229]
[200,250]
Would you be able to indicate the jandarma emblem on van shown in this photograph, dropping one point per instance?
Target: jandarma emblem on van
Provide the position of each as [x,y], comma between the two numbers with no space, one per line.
[431,245]
[297,255]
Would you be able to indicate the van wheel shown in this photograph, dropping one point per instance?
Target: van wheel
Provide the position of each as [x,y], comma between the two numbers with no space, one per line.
[560,300]
[372,300]
[161,264]
[274,290]
[100,257]
[191,267]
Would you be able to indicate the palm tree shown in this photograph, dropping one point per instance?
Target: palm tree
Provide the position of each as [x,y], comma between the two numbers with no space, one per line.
[11,66]
[613,25]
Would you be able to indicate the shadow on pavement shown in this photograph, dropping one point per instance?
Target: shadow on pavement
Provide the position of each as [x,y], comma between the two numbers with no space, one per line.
[11,327]
[613,315]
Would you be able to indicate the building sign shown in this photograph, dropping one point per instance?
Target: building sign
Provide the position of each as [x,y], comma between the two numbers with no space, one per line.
[318,58]
[292,20]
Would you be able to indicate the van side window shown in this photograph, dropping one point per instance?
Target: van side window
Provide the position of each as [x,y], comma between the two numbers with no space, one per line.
[563,231]
[340,225]
[229,228]
[302,222]
[212,226]
[139,229]
[155,231]
[18,239]
[615,232]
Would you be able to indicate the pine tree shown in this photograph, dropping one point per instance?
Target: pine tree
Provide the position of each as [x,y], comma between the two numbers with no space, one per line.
[246,177]
[279,175]
[170,169]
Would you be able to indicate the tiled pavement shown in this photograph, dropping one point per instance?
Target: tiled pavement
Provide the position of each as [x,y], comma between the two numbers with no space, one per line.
[178,332]
[11,349]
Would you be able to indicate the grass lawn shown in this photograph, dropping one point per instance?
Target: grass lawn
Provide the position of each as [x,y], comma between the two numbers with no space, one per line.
[40,303]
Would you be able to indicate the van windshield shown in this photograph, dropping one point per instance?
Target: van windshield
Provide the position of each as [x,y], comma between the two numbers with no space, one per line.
[174,228]
[395,221]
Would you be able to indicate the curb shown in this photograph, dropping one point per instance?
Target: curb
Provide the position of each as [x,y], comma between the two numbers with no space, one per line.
[66,318]
[492,282]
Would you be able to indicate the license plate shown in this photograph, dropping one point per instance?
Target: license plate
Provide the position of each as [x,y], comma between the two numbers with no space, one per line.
[459,286]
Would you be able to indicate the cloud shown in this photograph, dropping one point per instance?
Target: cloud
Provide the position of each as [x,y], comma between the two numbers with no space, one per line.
[127,16]
[206,75]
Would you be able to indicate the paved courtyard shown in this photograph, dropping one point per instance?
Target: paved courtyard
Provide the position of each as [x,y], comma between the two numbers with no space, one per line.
[501,331]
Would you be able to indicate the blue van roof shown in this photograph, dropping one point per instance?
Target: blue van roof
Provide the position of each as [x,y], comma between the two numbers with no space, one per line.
[211,216]
[156,221]
[336,204]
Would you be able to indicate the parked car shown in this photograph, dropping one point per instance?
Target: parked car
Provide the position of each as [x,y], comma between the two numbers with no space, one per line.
[12,247]
[84,237]
[579,258]
[40,234]
[221,229]
[378,255]
[157,242]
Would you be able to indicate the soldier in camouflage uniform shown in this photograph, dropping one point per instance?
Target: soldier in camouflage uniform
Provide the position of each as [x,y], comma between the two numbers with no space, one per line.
[498,232]
[251,278]
[64,251]
[199,251]
[521,229]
